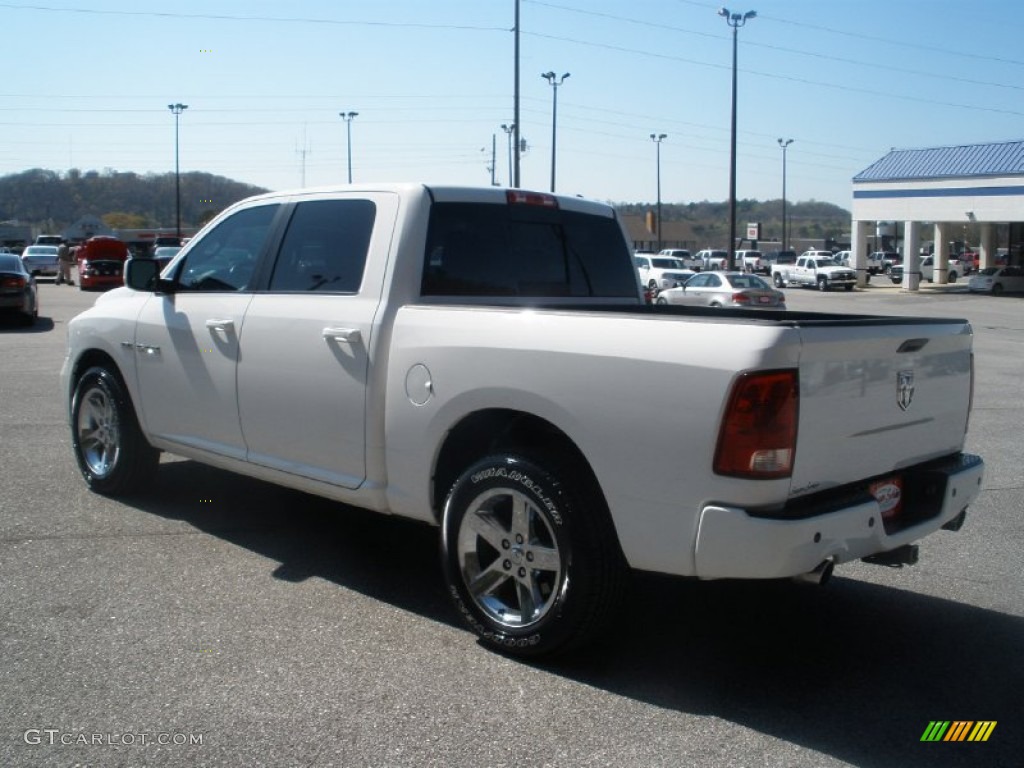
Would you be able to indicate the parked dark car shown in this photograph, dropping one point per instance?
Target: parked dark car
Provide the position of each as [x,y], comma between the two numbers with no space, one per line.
[18,291]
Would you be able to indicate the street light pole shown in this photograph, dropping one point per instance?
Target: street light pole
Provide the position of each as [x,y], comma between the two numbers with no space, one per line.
[784,143]
[176,110]
[348,117]
[734,20]
[514,179]
[657,139]
[554,81]
[510,131]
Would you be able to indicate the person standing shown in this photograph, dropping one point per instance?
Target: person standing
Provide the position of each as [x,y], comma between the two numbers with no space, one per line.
[65,258]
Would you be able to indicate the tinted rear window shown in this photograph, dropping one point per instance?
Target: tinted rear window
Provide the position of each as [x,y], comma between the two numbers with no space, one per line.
[478,249]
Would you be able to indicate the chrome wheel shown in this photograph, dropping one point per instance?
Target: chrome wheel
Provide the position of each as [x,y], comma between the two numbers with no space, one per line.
[509,558]
[99,432]
[111,452]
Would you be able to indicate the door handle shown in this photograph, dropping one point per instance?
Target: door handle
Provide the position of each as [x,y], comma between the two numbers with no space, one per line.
[342,335]
[221,325]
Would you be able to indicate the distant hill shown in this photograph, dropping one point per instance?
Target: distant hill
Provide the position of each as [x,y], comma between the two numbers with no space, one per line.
[706,224]
[52,200]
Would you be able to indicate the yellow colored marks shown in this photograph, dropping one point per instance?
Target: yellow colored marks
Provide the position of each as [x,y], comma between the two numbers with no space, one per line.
[201,200]
[982,730]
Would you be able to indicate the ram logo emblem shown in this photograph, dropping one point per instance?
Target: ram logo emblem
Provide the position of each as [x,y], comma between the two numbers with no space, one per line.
[904,389]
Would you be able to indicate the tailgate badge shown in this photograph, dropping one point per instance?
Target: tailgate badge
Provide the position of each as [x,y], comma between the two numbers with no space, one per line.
[904,388]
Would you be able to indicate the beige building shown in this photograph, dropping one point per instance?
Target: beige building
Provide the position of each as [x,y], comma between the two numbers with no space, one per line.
[934,192]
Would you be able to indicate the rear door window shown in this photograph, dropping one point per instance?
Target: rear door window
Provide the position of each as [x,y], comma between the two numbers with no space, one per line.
[324,249]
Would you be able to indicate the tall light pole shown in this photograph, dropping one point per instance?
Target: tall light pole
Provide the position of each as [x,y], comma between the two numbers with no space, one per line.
[348,117]
[176,110]
[514,179]
[784,143]
[554,81]
[657,139]
[734,20]
[510,130]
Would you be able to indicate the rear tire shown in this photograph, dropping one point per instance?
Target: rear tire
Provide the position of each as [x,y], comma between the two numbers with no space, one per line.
[997,289]
[661,300]
[530,556]
[112,453]
[777,279]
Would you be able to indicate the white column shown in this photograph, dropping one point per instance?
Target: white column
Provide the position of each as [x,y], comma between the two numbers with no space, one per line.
[911,257]
[859,238]
[987,254]
[940,268]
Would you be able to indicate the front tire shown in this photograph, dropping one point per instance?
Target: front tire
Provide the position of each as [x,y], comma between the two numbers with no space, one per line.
[822,284]
[113,455]
[530,555]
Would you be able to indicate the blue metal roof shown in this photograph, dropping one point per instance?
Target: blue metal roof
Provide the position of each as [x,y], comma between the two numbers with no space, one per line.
[1002,159]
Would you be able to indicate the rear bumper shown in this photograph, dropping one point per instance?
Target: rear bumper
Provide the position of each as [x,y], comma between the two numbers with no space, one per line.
[100,281]
[732,543]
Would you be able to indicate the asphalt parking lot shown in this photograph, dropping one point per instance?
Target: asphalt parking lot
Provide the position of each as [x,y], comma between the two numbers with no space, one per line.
[220,621]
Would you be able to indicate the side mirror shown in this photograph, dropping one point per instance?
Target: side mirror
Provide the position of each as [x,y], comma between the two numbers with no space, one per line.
[142,274]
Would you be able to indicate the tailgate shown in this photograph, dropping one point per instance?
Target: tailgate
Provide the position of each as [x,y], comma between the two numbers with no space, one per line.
[879,397]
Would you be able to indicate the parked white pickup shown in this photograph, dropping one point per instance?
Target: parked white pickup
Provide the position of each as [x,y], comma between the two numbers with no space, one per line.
[483,360]
[817,271]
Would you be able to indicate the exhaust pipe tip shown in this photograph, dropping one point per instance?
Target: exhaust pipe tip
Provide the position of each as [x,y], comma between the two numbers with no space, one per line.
[819,576]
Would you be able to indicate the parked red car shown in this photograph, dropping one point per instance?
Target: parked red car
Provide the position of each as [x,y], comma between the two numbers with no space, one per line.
[101,263]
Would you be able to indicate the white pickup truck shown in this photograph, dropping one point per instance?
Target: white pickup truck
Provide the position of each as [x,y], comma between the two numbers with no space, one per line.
[955,269]
[483,360]
[659,272]
[815,269]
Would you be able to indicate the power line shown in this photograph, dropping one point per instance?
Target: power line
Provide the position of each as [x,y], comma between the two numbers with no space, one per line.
[273,19]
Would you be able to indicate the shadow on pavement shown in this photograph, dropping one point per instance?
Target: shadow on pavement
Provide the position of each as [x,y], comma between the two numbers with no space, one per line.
[852,670]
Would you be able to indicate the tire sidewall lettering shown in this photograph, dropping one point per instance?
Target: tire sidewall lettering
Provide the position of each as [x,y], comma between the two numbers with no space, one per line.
[533,487]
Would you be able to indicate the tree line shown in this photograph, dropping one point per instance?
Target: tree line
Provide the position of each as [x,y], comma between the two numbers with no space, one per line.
[124,200]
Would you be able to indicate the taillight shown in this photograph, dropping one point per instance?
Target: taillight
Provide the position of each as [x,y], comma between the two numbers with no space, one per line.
[758,434]
[740,298]
[13,282]
[521,197]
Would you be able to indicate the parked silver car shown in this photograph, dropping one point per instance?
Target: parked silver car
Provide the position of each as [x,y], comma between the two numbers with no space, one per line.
[725,289]
[40,260]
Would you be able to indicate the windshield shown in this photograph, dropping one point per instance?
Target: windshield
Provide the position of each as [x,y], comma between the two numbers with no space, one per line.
[34,250]
[10,264]
[668,264]
[989,271]
[824,262]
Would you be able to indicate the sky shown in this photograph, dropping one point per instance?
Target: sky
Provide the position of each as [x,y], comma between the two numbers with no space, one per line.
[86,84]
